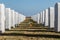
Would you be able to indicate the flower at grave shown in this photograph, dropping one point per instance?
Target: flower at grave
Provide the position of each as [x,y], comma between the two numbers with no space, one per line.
[30,24]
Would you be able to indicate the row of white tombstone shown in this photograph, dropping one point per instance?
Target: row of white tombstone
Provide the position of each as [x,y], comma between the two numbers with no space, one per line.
[9,18]
[49,17]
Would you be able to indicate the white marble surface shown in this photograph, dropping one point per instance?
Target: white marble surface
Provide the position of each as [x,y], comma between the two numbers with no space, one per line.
[51,17]
[2,18]
[46,17]
[57,17]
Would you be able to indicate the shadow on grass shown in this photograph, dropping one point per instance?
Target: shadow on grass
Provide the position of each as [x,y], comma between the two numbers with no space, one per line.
[37,28]
[34,30]
[31,35]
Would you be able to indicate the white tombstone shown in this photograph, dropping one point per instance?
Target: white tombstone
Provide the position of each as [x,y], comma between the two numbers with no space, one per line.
[46,18]
[8,18]
[16,18]
[13,13]
[22,18]
[2,18]
[19,19]
[36,18]
[57,17]
[12,19]
[41,19]
[43,16]
[51,17]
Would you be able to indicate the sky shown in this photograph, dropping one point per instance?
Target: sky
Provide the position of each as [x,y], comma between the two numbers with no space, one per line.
[29,7]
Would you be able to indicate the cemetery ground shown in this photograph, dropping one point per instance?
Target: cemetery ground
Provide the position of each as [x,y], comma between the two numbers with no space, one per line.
[30,30]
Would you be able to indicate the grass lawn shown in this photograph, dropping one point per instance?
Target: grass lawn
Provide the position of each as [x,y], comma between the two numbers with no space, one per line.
[26,32]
